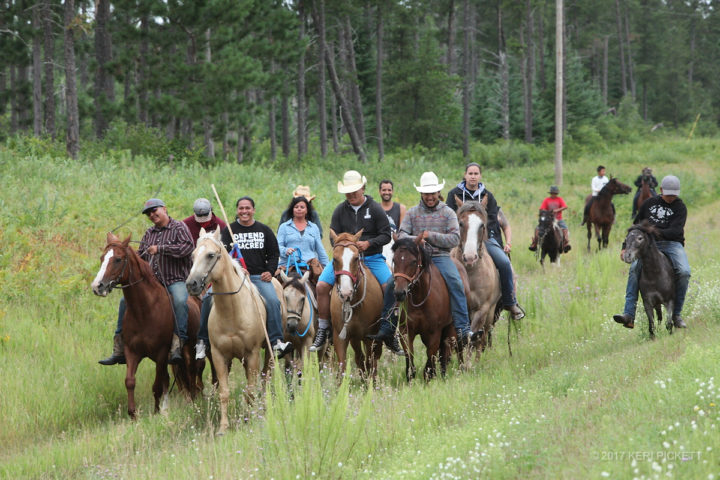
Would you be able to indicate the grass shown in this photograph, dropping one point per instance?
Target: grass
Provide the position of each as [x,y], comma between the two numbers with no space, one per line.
[580,397]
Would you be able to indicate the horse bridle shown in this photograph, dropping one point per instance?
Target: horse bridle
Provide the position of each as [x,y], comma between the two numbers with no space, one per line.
[298,316]
[412,281]
[355,278]
[203,280]
[126,265]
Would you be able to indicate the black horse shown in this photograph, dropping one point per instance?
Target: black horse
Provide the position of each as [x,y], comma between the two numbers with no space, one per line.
[657,277]
[550,237]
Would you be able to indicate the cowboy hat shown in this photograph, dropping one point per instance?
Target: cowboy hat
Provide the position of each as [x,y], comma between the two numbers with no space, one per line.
[429,183]
[352,182]
[303,191]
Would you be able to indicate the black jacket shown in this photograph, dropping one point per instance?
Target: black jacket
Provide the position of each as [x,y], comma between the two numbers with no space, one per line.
[370,217]
[668,218]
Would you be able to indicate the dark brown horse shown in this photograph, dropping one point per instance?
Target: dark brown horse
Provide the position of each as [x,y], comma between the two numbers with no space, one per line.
[425,310]
[355,305]
[149,322]
[602,214]
[645,192]
[550,237]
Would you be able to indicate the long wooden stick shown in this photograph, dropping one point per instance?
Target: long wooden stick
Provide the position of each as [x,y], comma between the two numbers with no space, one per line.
[232,237]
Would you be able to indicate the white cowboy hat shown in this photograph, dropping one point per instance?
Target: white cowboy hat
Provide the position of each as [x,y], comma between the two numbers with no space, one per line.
[352,182]
[429,183]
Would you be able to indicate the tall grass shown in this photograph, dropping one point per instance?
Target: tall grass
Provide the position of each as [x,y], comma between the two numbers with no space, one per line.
[580,397]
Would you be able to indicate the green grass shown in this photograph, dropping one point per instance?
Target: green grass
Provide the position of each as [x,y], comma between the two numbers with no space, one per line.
[581,397]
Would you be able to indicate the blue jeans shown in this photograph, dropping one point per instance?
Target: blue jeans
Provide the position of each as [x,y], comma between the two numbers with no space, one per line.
[207,303]
[179,294]
[502,263]
[458,302]
[681,266]
[375,263]
[272,306]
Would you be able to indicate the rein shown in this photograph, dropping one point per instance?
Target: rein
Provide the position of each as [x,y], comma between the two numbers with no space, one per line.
[347,308]
[419,268]
[207,274]
[118,283]
[298,315]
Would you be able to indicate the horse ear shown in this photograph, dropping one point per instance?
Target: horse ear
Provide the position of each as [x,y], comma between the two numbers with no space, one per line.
[283,277]
[126,242]
[359,234]
[484,201]
[305,277]
[394,236]
[216,234]
[333,235]
[111,238]
[202,231]
[458,202]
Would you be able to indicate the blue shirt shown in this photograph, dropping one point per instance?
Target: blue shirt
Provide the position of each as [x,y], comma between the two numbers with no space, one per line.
[309,242]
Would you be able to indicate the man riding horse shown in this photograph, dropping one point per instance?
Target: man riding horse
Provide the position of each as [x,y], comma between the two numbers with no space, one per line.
[651,181]
[441,233]
[667,213]
[596,184]
[556,205]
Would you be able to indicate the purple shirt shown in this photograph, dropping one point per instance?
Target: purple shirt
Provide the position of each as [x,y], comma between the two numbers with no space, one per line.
[172,263]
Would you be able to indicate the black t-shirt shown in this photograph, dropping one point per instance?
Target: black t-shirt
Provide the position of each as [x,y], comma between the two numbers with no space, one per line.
[258,245]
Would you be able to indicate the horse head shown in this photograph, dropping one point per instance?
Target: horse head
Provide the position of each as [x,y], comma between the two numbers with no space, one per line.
[208,252]
[473,220]
[615,186]
[346,263]
[546,222]
[294,293]
[410,259]
[640,237]
[114,268]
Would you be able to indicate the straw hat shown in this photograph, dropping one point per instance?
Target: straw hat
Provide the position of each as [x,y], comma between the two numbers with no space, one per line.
[352,182]
[429,183]
[303,191]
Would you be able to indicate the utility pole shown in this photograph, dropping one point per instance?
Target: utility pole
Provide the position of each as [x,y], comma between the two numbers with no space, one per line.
[559,91]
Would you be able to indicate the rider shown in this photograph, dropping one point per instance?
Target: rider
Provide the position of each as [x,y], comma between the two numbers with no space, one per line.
[438,225]
[596,184]
[303,191]
[260,253]
[667,213]
[556,204]
[471,189]
[652,183]
[168,246]
[358,211]
[203,217]
[300,233]
[394,210]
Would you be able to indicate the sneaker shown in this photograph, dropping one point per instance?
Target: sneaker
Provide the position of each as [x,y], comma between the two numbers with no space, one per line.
[625,320]
[282,348]
[320,338]
[200,349]
[678,322]
[393,345]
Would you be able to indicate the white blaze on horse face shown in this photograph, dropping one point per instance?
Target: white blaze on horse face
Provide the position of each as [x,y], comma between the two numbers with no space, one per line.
[101,273]
[471,239]
[346,284]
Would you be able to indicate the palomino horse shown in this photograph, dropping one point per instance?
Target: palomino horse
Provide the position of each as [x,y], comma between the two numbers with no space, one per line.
[426,305]
[301,315]
[149,321]
[355,304]
[657,277]
[601,212]
[236,325]
[484,303]
[550,238]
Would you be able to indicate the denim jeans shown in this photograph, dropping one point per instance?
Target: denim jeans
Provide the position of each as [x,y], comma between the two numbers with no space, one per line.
[681,266]
[502,262]
[458,302]
[179,294]
[272,306]
[375,263]
[207,303]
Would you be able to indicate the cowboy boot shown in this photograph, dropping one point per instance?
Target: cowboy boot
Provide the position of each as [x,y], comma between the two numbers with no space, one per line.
[118,353]
[176,351]
[566,241]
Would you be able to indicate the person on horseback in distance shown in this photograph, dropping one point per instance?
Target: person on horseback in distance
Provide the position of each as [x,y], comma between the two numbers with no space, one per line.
[652,183]
[441,233]
[667,213]
[556,205]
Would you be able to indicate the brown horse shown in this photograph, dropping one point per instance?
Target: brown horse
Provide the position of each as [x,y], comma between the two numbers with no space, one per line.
[550,237]
[425,310]
[355,305]
[484,297]
[645,192]
[149,322]
[301,320]
[601,214]
[236,325]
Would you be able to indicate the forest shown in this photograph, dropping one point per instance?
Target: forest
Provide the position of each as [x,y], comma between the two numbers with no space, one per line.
[236,80]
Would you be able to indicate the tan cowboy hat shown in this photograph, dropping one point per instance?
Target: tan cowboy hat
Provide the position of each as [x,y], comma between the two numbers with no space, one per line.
[303,191]
[429,183]
[352,182]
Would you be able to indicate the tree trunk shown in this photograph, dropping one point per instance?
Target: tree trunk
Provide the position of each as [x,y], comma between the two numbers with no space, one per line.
[355,83]
[504,77]
[378,83]
[466,80]
[623,69]
[142,80]
[322,108]
[285,125]
[529,77]
[14,99]
[272,128]
[37,71]
[301,146]
[104,85]
[334,124]
[629,54]
[207,122]
[449,59]
[606,48]
[559,89]
[49,61]
[73,125]
[541,49]
[226,137]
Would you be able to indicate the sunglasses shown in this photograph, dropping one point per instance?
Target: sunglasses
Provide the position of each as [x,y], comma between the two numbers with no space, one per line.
[151,211]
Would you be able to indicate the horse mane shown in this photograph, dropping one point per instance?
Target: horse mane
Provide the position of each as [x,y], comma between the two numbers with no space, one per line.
[294,282]
[409,244]
[612,180]
[645,227]
[233,261]
[142,265]
[472,206]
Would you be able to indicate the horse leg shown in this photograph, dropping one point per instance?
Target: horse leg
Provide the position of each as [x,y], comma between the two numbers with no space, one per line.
[361,360]
[589,235]
[132,364]
[341,353]
[432,347]
[410,370]
[251,363]
[445,348]
[222,369]
[650,314]
[606,234]
[160,386]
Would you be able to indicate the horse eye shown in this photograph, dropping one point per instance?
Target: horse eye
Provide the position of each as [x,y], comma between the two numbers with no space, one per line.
[118,260]
[461,223]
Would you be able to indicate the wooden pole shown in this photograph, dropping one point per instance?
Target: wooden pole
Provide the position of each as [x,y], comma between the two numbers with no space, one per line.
[559,91]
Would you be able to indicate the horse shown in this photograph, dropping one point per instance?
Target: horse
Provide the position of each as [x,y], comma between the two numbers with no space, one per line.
[644,193]
[601,214]
[420,288]
[657,277]
[550,238]
[355,304]
[299,327]
[149,322]
[236,325]
[484,296]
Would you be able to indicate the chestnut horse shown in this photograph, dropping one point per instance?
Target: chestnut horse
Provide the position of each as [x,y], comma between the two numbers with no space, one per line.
[425,309]
[550,238]
[645,192]
[355,305]
[601,214]
[484,297]
[149,322]
[236,325]
[299,327]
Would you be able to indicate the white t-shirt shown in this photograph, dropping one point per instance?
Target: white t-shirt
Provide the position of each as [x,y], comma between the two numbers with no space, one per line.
[597,184]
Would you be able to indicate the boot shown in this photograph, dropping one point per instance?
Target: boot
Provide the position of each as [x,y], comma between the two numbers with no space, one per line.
[678,322]
[625,320]
[516,312]
[566,241]
[176,351]
[118,353]
[320,338]
[533,244]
